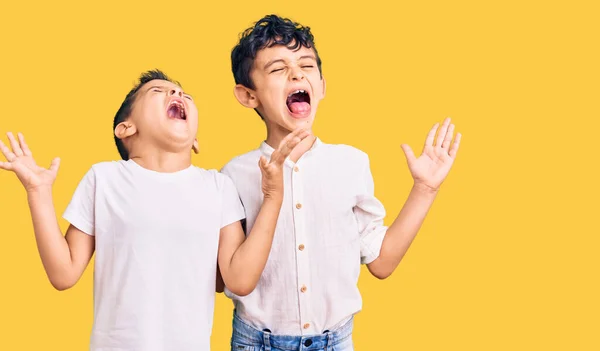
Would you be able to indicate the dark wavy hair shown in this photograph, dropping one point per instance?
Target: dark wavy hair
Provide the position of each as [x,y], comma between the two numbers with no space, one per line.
[269,31]
[127,105]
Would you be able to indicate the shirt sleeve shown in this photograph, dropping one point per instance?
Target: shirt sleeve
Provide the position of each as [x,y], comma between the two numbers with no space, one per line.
[232,209]
[369,212]
[80,211]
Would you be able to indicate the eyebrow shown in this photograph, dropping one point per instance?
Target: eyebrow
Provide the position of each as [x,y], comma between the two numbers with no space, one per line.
[156,86]
[312,57]
[273,62]
[166,87]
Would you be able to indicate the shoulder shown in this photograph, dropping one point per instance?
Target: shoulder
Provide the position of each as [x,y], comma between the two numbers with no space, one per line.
[108,167]
[346,153]
[212,177]
[242,164]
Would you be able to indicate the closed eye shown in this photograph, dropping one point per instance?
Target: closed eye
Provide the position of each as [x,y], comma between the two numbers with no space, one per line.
[277,70]
[189,97]
[308,66]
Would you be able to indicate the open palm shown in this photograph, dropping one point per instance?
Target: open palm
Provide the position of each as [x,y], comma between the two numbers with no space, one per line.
[432,167]
[21,162]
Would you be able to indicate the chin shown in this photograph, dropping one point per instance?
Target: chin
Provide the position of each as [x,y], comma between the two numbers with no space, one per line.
[293,123]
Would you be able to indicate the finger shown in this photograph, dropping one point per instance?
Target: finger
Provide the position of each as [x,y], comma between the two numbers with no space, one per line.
[408,153]
[6,152]
[297,133]
[276,155]
[455,145]
[448,137]
[15,146]
[287,145]
[431,135]
[442,133]
[54,165]
[7,166]
[24,145]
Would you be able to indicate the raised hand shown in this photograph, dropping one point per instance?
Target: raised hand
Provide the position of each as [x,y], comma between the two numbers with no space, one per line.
[21,162]
[272,170]
[431,168]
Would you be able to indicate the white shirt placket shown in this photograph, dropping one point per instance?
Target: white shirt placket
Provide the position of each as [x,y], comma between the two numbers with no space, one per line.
[302,260]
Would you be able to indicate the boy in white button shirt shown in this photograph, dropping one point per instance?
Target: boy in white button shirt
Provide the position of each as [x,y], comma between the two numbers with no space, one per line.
[156,223]
[330,221]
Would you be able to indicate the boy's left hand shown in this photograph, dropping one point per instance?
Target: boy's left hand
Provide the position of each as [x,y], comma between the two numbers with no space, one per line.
[272,170]
[431,168]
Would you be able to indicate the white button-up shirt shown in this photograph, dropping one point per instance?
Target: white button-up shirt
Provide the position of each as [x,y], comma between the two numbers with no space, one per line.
[330,223]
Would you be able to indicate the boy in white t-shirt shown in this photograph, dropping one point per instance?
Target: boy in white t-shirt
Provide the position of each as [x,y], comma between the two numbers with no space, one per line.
[158,225]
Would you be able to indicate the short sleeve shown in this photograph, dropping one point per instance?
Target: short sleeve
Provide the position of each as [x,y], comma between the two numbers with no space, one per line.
[80,211]
[232,209]
[369,213]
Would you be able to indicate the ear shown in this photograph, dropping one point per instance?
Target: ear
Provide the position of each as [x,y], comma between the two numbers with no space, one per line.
[245,96]
[324,87]
[125,129]
[195,146]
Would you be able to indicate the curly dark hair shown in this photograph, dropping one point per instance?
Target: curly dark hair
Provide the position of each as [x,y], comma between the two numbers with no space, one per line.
[269,31]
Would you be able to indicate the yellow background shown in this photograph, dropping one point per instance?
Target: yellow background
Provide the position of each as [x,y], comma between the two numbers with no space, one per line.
[508,257]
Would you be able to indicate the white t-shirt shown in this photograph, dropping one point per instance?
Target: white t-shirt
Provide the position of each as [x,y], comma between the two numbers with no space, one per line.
[157,238]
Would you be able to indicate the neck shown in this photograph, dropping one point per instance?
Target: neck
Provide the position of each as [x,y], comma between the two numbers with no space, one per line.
[275,134]
[161,160]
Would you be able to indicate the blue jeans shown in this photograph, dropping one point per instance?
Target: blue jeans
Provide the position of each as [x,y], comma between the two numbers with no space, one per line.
[247,338]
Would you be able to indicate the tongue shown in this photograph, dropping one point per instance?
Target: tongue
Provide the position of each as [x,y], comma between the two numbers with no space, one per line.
[299,107]
[173,112]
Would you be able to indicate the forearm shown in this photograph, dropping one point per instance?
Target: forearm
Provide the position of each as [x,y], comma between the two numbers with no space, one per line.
[250,258]
[402,232]
[52,245]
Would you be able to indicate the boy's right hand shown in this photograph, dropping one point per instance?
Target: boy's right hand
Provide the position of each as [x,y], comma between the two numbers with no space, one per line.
[20,161]
[272,170]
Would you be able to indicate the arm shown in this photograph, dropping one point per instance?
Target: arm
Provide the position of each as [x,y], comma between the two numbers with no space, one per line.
[220,285]
[64,257]
[242,259]
[428,171]
[402,232]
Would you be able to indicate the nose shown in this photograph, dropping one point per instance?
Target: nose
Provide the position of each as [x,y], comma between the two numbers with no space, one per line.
[176,92]
[296,74]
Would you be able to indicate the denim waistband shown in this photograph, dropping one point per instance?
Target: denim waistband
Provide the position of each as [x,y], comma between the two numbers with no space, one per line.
[245,334]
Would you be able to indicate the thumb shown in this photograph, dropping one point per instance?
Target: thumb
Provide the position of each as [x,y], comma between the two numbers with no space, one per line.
[262,163]
[55,165]
[408,153]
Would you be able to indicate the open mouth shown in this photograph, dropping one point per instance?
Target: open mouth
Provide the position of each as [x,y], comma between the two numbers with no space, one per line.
[176,110]
[298,102]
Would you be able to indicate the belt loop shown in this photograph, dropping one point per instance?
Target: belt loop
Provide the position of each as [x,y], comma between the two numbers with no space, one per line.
[329,344]
[267,339]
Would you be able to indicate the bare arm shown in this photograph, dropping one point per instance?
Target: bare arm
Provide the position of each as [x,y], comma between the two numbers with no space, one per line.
[402,232]
[220,284]
[242,259]
[64,257]
[428,171]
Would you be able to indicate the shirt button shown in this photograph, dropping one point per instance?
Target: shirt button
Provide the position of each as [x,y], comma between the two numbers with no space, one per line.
[298,206]
[306,325]
[301,247]
[303,288]
[296,169]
